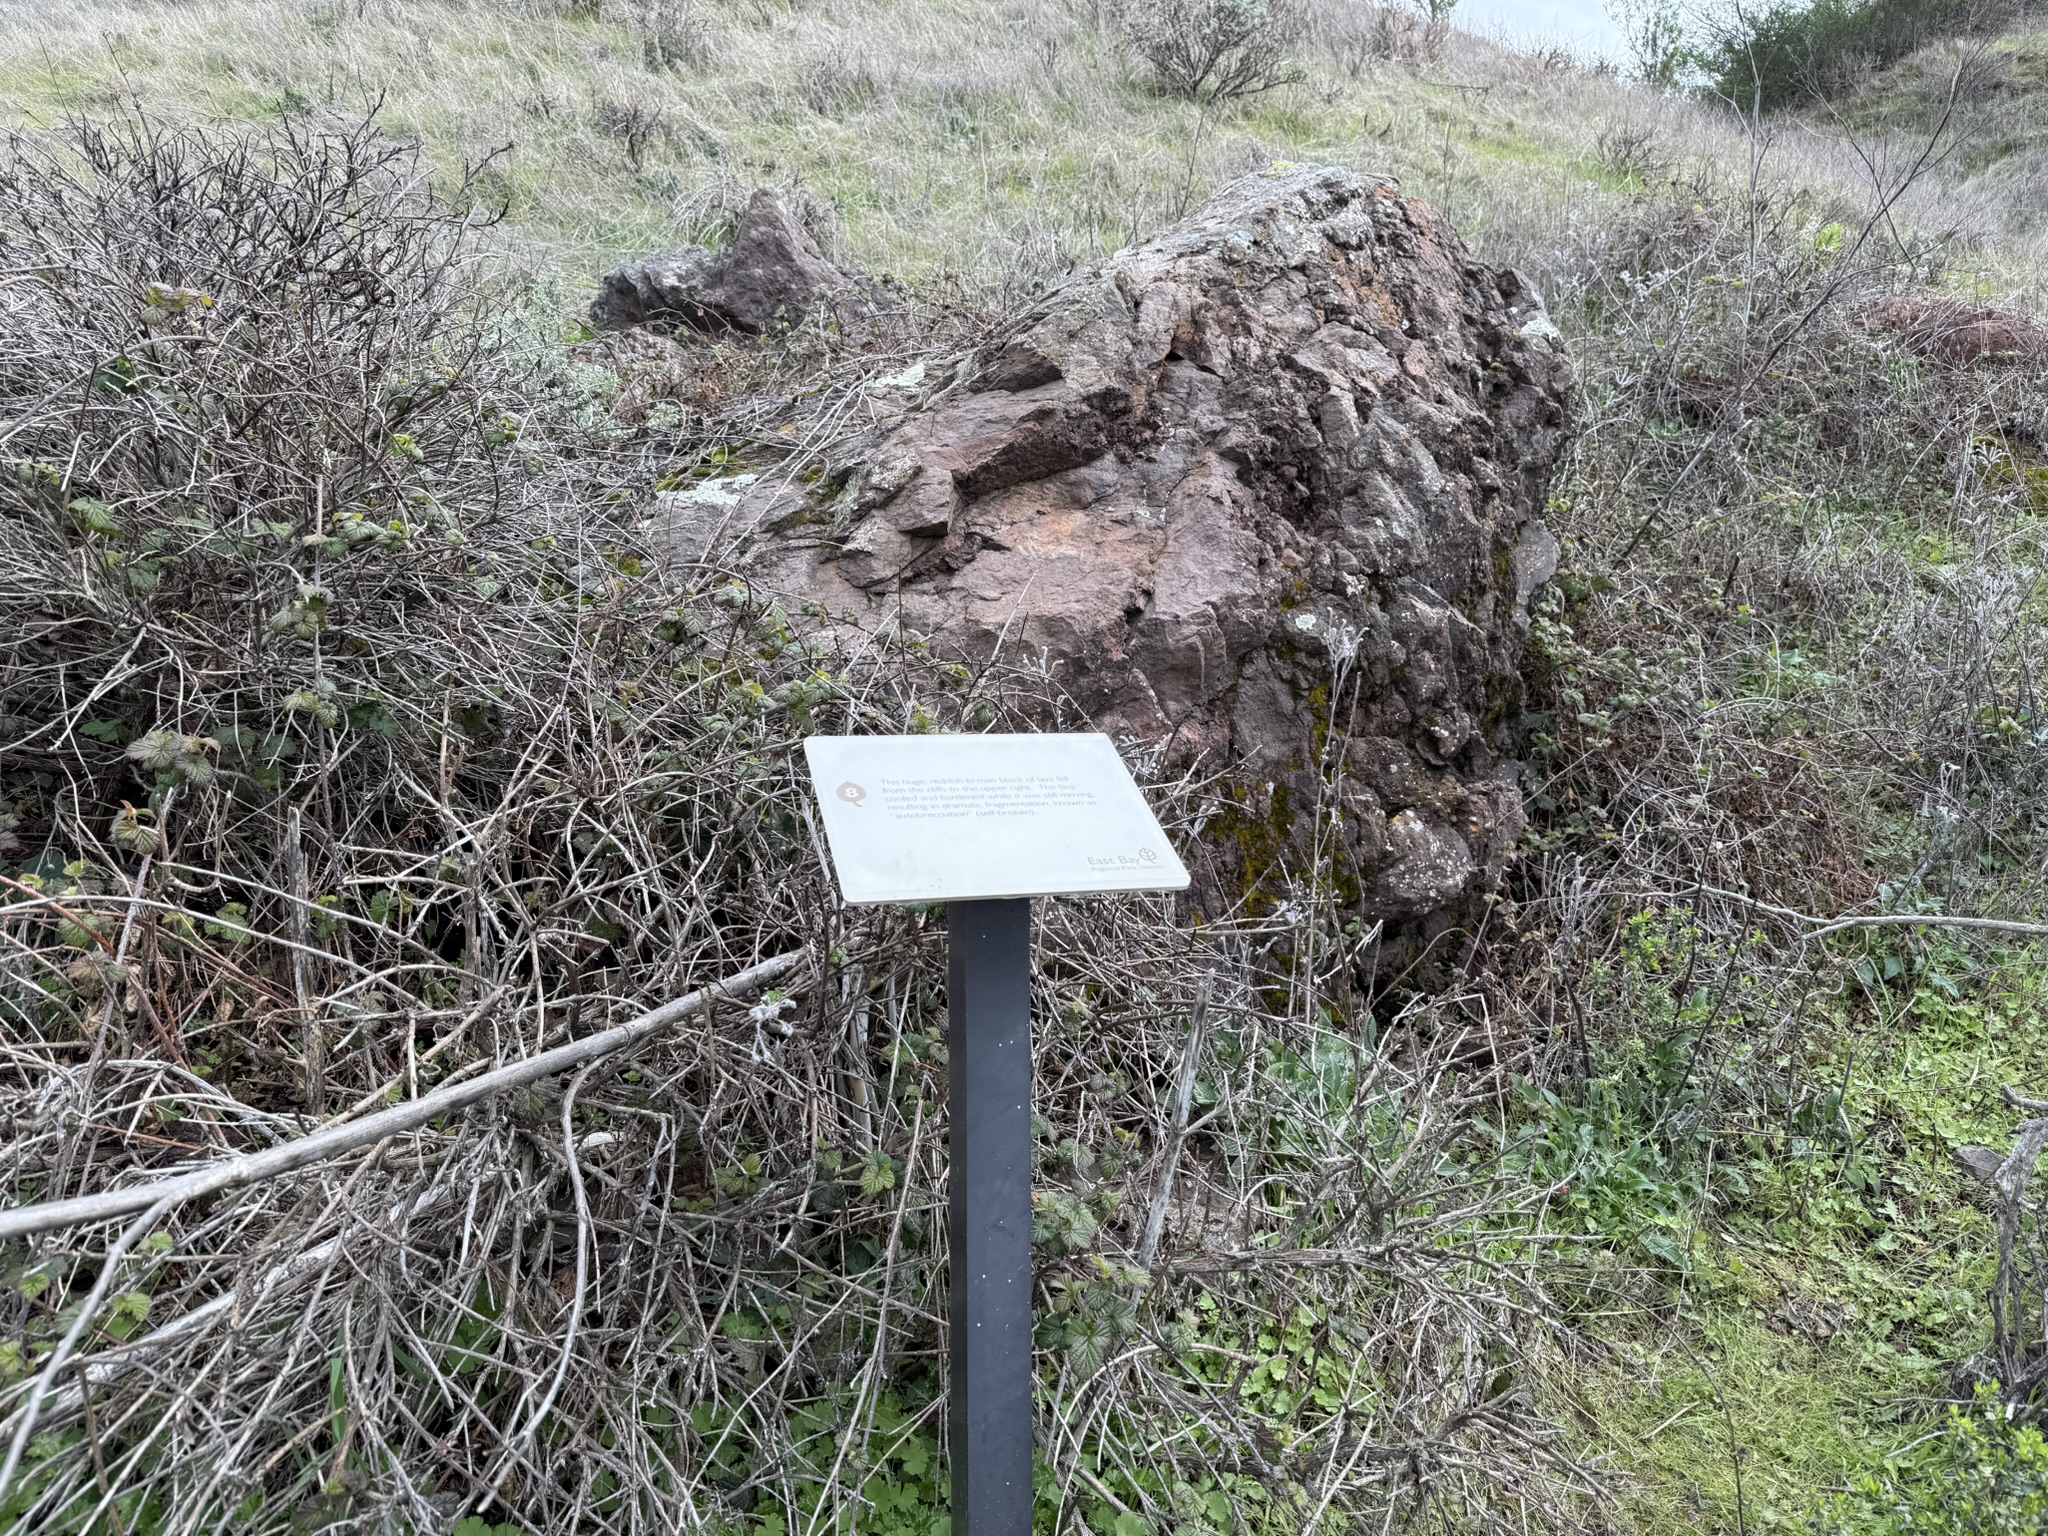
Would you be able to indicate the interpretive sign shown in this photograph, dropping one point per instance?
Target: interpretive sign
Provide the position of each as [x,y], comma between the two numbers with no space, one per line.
[984,823]
[956,818]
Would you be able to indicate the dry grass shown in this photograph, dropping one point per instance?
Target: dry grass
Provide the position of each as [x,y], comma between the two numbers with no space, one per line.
[2001,181]
[997,143]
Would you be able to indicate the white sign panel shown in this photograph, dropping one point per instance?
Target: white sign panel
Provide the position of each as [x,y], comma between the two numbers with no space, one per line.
[958,818]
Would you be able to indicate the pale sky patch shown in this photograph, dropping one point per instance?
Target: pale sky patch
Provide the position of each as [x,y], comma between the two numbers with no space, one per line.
[1581,25]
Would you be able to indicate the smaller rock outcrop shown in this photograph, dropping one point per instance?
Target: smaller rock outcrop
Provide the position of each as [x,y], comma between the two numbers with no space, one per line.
[771,276]
[1950,331]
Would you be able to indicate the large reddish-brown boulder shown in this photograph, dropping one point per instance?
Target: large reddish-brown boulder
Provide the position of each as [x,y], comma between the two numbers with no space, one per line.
[1265,491]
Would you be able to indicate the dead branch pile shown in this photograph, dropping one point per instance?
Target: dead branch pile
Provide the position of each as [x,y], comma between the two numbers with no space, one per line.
[352,747]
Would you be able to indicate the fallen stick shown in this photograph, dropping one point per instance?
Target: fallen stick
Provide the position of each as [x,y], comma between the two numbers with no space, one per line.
[1927,920]
[1825,927]
[354,1135]
[1183,1104]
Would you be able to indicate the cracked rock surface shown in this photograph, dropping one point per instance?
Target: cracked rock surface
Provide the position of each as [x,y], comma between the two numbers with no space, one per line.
[1266,491]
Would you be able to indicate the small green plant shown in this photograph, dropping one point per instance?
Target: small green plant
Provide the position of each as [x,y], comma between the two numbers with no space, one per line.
[887,1467]
[1982,1473]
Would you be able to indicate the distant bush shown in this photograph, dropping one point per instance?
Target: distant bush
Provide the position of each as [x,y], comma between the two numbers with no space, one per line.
[1356,34]
[1793,53]
[1212,50]
[227,353]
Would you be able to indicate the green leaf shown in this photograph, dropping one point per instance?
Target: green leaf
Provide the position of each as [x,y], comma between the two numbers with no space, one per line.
[317,701]
[117,376]
[227,923]
[95,517]
[877,1174]
[156,750]
[136,831]
[129,1311]
[375,720]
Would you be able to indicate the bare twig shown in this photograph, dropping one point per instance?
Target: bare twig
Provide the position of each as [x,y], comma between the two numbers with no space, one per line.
[1176,1136]
[354,1135]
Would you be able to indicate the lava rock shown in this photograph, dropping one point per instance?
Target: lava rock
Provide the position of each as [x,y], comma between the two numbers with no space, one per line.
[1950,331]
[1265,491]
[770,277]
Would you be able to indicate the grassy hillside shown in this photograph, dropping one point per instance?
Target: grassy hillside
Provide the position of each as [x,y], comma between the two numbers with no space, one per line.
[1999,88]
[998,143]
[1792,669]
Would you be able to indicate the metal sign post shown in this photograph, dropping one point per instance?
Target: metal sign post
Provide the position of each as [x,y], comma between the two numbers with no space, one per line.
[984,823]
[988,1213]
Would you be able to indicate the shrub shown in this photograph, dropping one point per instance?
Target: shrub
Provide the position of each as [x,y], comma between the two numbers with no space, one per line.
[1212,50]
[265,349]
[1792,52]
[351,738]
[1655,33]
[1359,33]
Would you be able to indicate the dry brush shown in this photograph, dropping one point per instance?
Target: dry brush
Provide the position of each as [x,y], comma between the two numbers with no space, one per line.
[354,749]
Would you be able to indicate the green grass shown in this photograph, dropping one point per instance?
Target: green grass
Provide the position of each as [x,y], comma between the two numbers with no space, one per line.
[1725,1403]
[1823,1284]
[1792,1262]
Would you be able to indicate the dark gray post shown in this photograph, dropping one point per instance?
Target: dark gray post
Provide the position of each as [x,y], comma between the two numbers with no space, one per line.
[988,1222]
